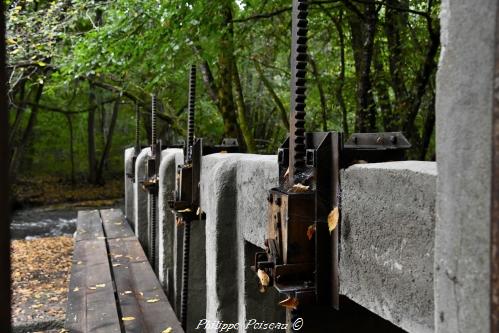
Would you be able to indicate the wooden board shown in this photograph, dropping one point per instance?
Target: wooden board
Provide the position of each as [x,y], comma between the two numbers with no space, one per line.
[115,224]
[91,299]
[139,291]
[89,225]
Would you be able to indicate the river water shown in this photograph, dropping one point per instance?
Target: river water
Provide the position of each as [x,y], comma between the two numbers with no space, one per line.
[45,222]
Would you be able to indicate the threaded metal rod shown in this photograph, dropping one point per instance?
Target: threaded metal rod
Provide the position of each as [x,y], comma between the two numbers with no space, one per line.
[297,147]
[154,106]
[192,109]
[152,231]
[137,128]
[185,273]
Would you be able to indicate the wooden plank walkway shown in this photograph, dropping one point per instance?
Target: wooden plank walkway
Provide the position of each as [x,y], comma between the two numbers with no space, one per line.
[113,287]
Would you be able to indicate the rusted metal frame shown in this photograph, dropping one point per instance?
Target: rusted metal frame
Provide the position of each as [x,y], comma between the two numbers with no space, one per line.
[494,214]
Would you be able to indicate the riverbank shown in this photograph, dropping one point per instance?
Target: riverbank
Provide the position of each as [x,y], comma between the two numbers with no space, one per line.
[52,193]
[40,275]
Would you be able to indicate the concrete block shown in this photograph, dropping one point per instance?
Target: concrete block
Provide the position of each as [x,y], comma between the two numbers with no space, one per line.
[387,240]
[219,201]
[129,205]
[170,159]
[463,125]
[171,242]
[256,175]
[140,198]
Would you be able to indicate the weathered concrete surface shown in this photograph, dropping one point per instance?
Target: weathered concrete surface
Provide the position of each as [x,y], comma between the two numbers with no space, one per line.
[234,188]
[140,198]
[387,239]
[463,127]
[170,246]
[255,175]
[129,205]
[219,201]
[166,221]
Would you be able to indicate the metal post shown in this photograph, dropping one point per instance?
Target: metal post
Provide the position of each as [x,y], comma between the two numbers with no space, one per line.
[297,147]
[192,109]
[153,196]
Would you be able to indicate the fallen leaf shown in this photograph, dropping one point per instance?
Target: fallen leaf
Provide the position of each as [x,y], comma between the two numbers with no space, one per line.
[332,219]
[187,210]
[36,306]
[102,285]
[76,289]
[118,223]
[198,212]
[116,265]
[127,318]
[286,174]
[168,330]
[92,288]
[310,231]
[153,300]
[264,277]
[289,303]
[128,292]
[299,188]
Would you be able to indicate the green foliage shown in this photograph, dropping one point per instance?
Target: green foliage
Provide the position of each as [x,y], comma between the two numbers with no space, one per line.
[129,49]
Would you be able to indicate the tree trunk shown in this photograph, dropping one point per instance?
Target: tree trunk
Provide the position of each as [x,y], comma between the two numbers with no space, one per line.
[241,111]
[282,110]
[363,31]
[322,96]
[71,149]
[109,140]
[92,176]
[19,151]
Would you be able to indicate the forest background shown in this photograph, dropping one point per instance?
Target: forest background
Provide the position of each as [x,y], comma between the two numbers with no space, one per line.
[78,71]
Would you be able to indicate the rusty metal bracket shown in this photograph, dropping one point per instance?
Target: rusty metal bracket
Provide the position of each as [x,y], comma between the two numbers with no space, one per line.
[301,254]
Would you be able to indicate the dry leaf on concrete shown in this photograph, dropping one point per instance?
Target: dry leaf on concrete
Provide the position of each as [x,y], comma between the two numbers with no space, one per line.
[128,318]
[332,219]
[168,330]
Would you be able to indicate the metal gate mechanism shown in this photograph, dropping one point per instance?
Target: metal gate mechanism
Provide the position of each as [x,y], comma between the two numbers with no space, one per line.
[301,255]
[185,203]
[130,172]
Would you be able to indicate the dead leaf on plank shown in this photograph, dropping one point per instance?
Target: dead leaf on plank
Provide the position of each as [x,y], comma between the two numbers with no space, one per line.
[127,292]
[116,265]
[299,188]
[127,318]
[168,330]
[198,212]
[332,219]
[289,303]
[187,210]
[92,288]
[310,231]
[153,300]
[76,289]
[101,285]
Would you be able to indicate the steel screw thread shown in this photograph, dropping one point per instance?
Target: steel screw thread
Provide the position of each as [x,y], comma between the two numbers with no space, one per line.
[185,273]
[154,217]
[154,107]
[137,127]
[299,64]
[192,109]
